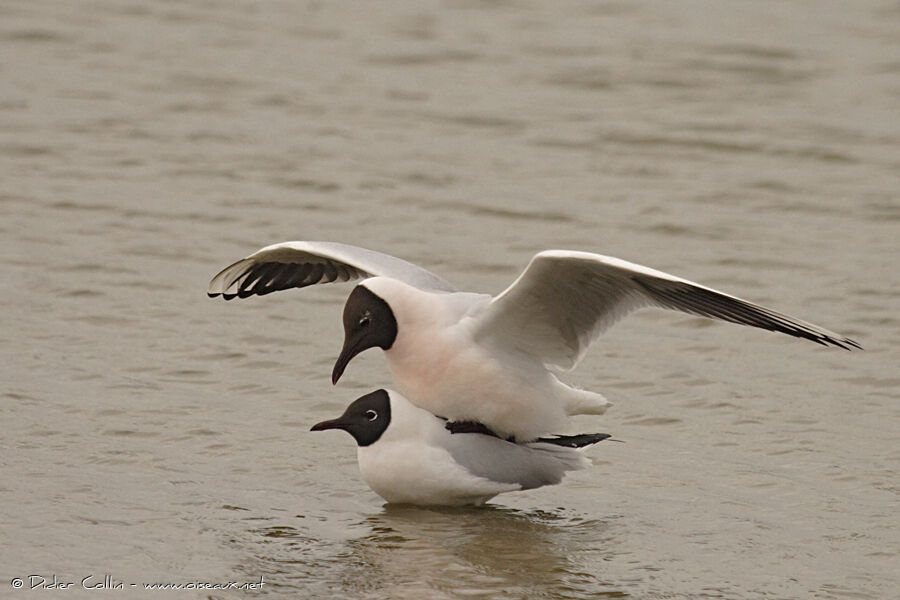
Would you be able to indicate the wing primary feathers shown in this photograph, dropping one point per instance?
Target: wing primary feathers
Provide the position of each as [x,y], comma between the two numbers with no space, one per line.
[329,272]
[344,272]
[278,280]
[298,275]
[258,275]
[300,264]
[575,441]
[708,303]
[315,275]
[244,280]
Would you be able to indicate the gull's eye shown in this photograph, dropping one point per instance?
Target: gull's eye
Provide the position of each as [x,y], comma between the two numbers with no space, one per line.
[364,320]
[371,415]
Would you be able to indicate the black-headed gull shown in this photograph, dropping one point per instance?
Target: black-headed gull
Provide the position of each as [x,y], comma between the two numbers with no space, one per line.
[407,455]
[473,357]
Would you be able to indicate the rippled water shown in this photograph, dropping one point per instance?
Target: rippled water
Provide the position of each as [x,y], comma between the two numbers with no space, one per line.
[154,435]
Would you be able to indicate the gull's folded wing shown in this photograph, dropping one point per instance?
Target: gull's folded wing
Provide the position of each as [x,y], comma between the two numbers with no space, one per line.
[564,299]
[528,466]
[299,264]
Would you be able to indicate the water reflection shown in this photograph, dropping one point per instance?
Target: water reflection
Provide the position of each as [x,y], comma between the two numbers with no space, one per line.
[412,552]
[483,551]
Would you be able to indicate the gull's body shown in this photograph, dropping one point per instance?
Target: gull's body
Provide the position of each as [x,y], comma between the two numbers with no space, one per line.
[439,360]
[491,359]
[407,455]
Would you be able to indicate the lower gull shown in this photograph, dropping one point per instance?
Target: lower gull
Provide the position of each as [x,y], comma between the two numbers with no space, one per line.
[408,455]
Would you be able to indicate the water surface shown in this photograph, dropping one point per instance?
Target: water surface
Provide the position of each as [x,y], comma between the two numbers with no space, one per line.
[155,435]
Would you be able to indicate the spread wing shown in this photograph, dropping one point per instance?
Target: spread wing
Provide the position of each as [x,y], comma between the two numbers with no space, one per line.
[564,300]
[299,264]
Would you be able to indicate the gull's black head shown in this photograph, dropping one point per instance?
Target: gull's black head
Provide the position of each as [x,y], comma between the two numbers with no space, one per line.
[365,419]
[368,322]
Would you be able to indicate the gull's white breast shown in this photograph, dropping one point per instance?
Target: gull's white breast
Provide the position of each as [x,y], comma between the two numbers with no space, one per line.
[407,465]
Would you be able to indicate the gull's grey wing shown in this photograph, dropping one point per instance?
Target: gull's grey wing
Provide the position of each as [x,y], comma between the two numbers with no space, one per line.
[564,299]
[530,465]
[299,264]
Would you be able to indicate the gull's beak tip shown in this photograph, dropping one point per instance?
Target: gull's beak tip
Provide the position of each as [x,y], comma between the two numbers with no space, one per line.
[330,424]
[339,365]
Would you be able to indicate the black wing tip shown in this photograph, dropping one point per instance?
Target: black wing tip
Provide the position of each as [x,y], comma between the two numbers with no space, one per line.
[575,441]
[708,303]
[851,344]
[263,278]
[225,296]
[843,343]
[823,340]
[471,427]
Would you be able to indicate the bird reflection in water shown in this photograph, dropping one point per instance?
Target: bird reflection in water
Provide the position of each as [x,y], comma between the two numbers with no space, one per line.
[490,551]
[437,553]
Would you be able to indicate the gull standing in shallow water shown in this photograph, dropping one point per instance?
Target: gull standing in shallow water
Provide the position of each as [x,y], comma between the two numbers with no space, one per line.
[473,357]
[407,455]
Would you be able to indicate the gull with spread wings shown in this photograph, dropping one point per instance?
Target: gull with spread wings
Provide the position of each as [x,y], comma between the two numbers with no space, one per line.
[477,359]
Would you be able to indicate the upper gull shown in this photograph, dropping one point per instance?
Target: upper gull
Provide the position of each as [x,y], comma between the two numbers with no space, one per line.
[473,357]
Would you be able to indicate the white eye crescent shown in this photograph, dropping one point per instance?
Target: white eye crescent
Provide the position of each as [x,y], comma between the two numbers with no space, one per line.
[371,414]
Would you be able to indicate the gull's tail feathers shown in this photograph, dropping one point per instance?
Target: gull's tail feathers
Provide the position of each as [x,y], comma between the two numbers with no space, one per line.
[583,402]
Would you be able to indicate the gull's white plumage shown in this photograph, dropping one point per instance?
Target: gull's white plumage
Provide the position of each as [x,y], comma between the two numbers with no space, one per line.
[473,357]
[410,457]
[440,364]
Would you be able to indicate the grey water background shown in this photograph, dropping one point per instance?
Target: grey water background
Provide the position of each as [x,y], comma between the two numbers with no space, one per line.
[154,435]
